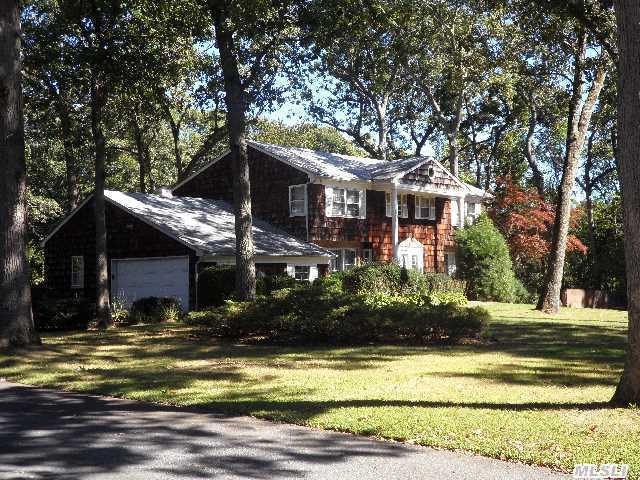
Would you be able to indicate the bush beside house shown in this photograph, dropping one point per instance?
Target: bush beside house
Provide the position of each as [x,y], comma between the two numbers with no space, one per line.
[485,264]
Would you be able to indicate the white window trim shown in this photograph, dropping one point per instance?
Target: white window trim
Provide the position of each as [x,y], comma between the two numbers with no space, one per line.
[313,269]
[355,257]
[450,266]
[341,256]
[304,205]
[328,195]
[432,208]
[79,284]
[308,272]
[403,205]
[470,218]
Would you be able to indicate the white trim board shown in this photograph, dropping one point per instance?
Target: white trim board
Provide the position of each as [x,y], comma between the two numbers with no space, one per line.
[301,260]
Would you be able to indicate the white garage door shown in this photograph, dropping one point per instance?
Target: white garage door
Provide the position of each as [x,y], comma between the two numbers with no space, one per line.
[151,277]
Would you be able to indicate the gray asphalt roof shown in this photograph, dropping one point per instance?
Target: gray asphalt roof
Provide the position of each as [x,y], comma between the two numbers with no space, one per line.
[346,167]
[324,164]
[208,226]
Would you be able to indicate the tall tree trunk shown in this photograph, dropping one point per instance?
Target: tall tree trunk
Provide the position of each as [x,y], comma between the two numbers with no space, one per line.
[140,153]
[451,127]
[175,133]
[381,115]
[235,100]
[529,152]
[579,119]
[628,150]
[103,307]
[454,130]
[588,193]
[73,194]
[16,318]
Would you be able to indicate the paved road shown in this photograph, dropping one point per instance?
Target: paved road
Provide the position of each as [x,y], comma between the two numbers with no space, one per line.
[45,434]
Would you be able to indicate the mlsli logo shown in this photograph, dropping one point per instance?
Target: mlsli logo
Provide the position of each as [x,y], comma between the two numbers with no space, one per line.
[605,471]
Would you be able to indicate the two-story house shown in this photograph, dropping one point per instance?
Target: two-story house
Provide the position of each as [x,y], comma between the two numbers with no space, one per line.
[313,212]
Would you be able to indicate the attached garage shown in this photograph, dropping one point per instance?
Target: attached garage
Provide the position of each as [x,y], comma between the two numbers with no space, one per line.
[132,279]
[155,244]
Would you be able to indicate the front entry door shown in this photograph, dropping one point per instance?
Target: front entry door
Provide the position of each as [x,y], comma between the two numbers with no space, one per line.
[411,254]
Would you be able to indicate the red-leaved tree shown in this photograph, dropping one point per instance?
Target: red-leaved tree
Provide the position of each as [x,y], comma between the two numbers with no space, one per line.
[526,220]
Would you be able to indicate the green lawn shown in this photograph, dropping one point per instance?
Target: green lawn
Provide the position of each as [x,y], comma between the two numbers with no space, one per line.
[536,391]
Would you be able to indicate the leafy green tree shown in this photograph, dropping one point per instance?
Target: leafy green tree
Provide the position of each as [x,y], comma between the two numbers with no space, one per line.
[484,263]
[305,135]
[358,55]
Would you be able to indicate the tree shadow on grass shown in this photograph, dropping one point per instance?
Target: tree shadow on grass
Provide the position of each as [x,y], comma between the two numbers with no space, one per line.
[62,435]
[543,351]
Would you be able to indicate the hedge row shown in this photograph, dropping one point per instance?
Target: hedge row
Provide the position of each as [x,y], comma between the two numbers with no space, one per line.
[324,313]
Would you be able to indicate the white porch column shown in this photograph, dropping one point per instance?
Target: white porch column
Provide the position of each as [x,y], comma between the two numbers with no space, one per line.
[461,212]
[394,220]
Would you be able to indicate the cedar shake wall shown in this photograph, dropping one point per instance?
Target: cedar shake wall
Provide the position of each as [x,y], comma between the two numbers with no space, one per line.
[375,230]
[420,177]
[127,237]
[270,180]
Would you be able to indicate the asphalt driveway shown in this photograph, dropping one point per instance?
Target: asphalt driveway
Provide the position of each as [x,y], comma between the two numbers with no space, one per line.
[46,434]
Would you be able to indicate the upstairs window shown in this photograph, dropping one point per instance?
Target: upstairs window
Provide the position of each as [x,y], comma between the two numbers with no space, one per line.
[297,200]
[344,202]
[77,272]
[353,203]
[403,209]
[339,202]
[426,208]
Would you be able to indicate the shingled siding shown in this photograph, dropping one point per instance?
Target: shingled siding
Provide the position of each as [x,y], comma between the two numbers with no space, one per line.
[128,237]
[420,177]
[375,230]
[270,180]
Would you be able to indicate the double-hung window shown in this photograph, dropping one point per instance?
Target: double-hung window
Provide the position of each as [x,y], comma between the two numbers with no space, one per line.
[345,259]
[297,200]
[302,272]
[473,211]
[425,208]
[77,272]
[450,263]
[336,262]
[349,259]
[403,209]
[346,202]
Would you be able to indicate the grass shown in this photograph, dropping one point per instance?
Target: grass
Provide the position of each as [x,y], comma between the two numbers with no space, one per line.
[536,392]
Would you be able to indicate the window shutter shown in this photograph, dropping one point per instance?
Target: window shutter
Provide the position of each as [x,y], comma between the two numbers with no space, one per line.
[328,200]
[363,204]
[291,270]
[453,202]
[313,273]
